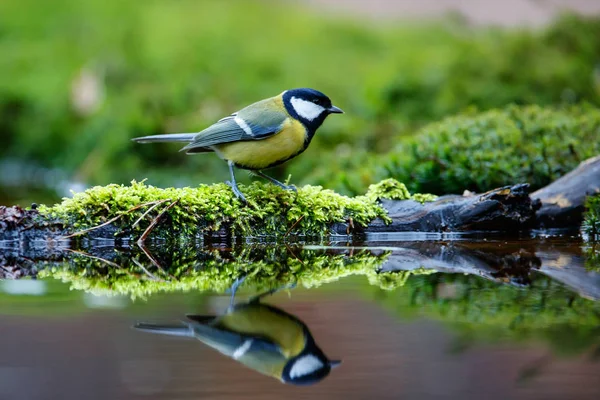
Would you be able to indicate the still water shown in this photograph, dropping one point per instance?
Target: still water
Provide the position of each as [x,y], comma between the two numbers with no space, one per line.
[472,319]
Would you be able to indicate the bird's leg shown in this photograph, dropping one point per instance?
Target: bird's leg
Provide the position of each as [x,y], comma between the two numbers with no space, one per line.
[257,298]
[234,287]
[276,182]
[234,185]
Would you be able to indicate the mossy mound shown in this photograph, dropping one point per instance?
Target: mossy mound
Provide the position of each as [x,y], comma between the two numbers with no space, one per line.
[481,151]
[271,211]
[264,268]
[206,208]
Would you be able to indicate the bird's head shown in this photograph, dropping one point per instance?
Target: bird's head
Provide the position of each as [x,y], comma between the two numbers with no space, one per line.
[309,106]
[309,367]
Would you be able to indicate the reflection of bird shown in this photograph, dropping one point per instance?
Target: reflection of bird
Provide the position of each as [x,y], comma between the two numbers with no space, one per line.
[262,135]
[260,336]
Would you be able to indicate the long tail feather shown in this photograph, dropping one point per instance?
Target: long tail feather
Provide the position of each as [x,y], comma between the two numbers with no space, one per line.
[172,330]
[170,137]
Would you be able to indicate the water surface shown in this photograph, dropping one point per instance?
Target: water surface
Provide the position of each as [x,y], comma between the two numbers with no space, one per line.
[494,318]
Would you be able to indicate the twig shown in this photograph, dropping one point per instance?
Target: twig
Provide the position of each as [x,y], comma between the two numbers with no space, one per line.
[293,226]
[153,260]
[112,264]
[148,211]
[139,264]
[293,254]
[110,221]
[154,222]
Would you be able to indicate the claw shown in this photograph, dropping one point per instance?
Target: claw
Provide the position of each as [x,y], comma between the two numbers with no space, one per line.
[237,192]
[276,182]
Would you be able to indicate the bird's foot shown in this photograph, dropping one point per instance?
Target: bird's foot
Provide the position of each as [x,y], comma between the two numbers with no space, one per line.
[236,284]
[289,187]
[258,297]
[237,192]
[276,182]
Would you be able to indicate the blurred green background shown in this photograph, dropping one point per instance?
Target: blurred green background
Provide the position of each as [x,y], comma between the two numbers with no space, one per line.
[78,79]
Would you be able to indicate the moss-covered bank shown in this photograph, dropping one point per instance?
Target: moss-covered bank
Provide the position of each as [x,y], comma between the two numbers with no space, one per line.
[271,211]
[491,149]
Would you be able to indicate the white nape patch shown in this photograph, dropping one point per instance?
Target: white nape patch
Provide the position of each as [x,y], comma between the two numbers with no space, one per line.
[306,109]
[243,349]
[305,366]
[243,125]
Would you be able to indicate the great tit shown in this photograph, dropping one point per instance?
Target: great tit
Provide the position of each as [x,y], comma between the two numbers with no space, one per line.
[261,135]
[262,337]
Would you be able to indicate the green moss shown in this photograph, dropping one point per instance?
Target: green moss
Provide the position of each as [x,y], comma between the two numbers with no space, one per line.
[391,189]
[189,211]
[481,151]
[264,268]
[388,189]
[592,256]
[591,218]
[397,279]
[591,233]
[424,197]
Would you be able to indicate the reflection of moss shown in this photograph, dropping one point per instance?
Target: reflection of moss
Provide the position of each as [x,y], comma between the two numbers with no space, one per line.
[592,256]
[591,222]
[397,279]
[484,310]
[271,210]
[264,268]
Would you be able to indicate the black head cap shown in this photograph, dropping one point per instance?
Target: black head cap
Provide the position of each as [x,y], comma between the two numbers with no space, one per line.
[309,106]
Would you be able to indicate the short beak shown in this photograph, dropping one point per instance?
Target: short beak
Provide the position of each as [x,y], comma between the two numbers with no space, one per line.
[334,363]
[335,110]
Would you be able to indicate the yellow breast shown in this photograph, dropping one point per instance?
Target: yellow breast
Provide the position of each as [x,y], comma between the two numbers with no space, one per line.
[265,153]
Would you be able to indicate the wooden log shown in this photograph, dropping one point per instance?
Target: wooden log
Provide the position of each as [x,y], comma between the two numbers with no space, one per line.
[508,209]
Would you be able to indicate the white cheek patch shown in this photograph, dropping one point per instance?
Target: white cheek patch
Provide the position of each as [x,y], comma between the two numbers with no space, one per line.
[305,366]
[306,109]
[242,124]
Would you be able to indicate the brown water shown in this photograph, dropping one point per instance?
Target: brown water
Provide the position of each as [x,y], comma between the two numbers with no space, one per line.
[498,320]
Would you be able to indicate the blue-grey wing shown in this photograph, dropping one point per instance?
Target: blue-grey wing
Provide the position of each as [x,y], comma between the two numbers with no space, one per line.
[255,122]
[230,343]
